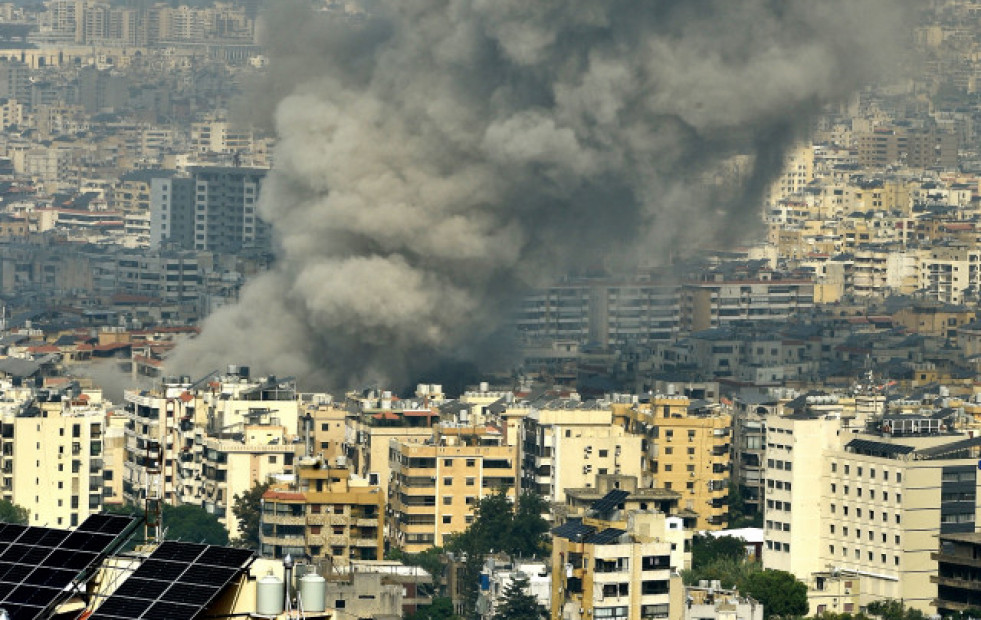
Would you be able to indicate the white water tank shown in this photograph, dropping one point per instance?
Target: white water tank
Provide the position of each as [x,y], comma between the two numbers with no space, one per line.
[270,596]
[313,593]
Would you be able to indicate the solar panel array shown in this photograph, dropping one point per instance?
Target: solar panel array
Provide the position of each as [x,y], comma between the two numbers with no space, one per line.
[38,564]
[610,502]
[176,582]
[576,531]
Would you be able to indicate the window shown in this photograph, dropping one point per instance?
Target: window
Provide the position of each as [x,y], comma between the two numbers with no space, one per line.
[447,519]
[604,453]
[470,482]
[447,482]
[471,462]
[834,468]
[447,500]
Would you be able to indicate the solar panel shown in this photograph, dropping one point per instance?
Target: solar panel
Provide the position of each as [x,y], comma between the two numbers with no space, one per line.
[610,501]
[176,582]
[573,529]
[39,564]
[607,536]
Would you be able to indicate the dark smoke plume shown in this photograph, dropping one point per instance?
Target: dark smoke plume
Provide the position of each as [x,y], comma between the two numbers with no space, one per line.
[435,157]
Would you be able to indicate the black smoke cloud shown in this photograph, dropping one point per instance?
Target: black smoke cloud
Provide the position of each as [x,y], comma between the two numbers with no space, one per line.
[435,157]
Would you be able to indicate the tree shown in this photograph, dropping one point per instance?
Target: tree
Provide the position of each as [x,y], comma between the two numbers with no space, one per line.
[706,549]
[440,609]
[246,507]
[498,525]
[186,523]
[891,609]
[517,604]
[728,571]
[779,591]
[430,560]
[12,513]
[193,524]
[738,514]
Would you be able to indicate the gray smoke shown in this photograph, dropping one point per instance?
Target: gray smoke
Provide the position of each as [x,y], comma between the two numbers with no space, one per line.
[437,157]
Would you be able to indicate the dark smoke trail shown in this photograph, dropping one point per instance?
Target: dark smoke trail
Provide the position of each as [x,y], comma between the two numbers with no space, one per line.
[437,156]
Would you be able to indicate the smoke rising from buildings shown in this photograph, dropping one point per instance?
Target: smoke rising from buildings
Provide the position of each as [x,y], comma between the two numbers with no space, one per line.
[436,157]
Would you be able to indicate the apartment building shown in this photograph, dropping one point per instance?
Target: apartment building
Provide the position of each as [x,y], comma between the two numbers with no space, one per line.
[167,430]
[947,272]
[616,565]
[631,498]
[212,470]
[958,575]
[566,442]
[328,513]
[52,458]
[914,147]
[213,208]
[686,448]
[374,420]
[602,311]
[714,303]
[866,506]
[435,486]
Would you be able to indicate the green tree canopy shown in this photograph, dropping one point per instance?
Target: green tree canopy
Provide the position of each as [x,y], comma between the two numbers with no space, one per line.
[186,523]
[193,524]
[246,507]
[498,525]
[430,560]
[729,572]
[12,513]
[891,609]
[440,609]
[518,604]
[706,549]
[779,591]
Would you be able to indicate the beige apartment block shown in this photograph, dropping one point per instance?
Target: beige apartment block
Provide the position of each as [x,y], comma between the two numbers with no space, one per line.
[628,497]
[213,470]
[369,431]
[328,513]
[52,461]
[567,443]
[616,565]
[689,451]
[329,429]
[435,486]
[866,506]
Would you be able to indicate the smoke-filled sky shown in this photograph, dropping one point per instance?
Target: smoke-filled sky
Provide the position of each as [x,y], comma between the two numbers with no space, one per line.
[437,157]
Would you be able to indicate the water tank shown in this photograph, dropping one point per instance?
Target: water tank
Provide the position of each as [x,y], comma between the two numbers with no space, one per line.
[313,593]
[270,596]
[484,386]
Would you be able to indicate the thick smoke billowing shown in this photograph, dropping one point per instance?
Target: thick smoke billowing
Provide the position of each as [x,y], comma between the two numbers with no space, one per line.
[435,157]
